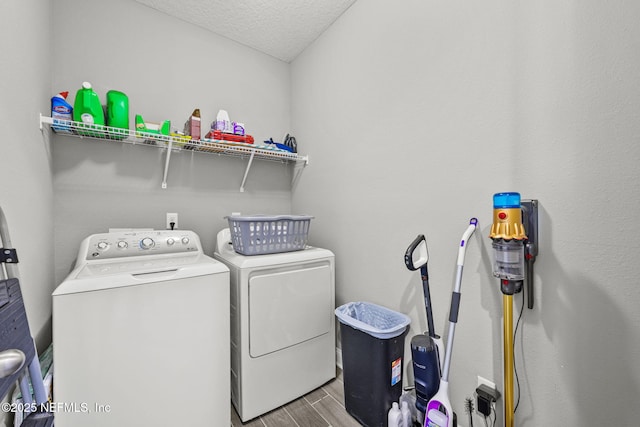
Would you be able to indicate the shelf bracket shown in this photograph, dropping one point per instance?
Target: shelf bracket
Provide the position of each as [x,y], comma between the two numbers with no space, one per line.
[45,120]
[246,172]
[297,171]
[166,164]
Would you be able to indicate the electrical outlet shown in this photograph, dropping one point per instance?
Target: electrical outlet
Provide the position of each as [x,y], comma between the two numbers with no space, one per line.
[172,218]
[487,382]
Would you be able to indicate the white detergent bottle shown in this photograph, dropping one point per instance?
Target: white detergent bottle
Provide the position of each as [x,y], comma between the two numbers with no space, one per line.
[395,416]
[406,414]
[410,399]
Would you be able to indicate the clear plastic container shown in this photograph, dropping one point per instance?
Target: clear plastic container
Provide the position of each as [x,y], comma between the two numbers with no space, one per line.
[508,259]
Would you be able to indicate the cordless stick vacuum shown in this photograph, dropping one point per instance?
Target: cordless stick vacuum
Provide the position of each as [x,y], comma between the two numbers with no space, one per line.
[427,349]
[511,247]
[439,412]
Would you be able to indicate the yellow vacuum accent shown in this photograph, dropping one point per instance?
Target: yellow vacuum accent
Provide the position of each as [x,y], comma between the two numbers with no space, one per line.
[507,330]
[507,224]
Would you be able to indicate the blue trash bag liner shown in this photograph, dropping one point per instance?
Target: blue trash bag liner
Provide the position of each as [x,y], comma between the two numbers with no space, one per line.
[375,320]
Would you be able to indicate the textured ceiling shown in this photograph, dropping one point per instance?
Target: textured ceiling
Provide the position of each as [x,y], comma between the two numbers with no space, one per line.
[280,28]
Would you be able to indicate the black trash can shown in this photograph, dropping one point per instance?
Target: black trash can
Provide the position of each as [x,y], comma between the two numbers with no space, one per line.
[372,359]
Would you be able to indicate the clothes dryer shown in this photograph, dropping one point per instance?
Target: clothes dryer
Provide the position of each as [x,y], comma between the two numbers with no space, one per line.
[141,333]
[282,325]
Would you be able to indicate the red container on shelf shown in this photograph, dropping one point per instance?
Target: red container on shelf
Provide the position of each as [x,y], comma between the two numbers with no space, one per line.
[222,136]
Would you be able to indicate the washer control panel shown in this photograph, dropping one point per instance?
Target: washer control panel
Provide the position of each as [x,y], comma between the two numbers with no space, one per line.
[139,243]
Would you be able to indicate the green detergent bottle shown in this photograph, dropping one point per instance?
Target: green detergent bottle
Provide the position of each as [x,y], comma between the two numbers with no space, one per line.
[87,110]
[117,114]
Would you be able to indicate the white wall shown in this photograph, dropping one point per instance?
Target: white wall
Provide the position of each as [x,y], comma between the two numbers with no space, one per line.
[167,68]
[25,159]
[415,114]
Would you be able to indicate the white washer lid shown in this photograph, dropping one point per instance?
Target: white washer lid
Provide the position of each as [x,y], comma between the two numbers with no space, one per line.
[132,272]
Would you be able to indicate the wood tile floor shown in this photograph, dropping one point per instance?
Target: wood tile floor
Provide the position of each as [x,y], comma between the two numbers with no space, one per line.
[323,407]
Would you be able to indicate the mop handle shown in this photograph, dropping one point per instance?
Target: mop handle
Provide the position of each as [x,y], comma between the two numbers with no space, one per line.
[427,301]
[473,223]
[423,254]
[455,296]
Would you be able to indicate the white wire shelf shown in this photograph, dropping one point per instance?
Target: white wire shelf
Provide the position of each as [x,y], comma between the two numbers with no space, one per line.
[174,143]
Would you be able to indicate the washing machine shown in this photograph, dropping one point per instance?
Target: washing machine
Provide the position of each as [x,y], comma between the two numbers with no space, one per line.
[282,325]
[141,333]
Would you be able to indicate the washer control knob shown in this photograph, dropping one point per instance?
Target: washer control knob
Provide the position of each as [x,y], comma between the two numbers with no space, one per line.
[170,241]
[147,243]
[122,244]
[185,240]
[102,245]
